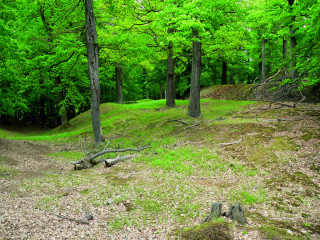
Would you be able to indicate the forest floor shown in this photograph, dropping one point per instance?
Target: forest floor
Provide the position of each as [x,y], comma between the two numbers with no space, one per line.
[166,192]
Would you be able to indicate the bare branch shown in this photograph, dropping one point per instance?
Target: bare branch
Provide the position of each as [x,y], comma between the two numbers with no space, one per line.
[193,125]
[228,144]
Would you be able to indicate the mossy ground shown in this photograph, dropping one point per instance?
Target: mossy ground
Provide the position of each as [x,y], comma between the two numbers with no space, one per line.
[274,171]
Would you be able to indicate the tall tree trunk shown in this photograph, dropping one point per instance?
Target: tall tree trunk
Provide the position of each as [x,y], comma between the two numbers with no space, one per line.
[224,73]
[231,77]
[119,84]
[263,63]
[214,76]
[63,111]
[93,63]
[194,104]
[160,91]
[284,55]
[170,96]
[293,43]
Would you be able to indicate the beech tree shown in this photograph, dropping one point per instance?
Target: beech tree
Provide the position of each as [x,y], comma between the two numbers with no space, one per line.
[93,63]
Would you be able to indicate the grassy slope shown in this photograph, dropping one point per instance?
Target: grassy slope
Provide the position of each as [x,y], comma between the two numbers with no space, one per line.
[188,168]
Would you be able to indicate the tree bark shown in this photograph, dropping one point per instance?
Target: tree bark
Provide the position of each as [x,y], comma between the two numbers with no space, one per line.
[194,104]
[119,84]
[224,73]
[93,63]
[170,97]
[263,63]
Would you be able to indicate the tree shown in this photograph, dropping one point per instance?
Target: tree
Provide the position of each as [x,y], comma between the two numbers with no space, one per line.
[194,103]
[93,64]
[170,93]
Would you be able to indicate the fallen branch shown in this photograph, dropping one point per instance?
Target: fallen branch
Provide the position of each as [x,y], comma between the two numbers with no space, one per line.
[180,121]
[193,125]
[88,216]
[283,120]
[90,160]
[104,149]
[228,144]
[265,81]
[110,162]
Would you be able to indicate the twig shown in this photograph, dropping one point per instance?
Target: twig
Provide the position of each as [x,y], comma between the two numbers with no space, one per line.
[265,81]
[104,149]
[80,221]
[180,121]
[196,124]
[283,120]
[228,144]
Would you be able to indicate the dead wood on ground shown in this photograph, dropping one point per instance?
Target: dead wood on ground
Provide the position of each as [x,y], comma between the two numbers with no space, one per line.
[90,159]
[228,144]
[85,220]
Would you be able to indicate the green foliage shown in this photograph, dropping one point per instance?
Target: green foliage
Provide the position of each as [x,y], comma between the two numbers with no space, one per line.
[43,65]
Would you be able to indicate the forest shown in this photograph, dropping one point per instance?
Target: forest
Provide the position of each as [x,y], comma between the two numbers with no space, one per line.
[160,119]
[146,51]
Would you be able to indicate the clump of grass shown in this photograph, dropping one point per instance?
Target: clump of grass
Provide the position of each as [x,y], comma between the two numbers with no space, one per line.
[246,196]
[6,171]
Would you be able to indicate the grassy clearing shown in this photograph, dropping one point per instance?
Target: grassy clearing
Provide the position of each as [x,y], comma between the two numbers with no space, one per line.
[172,185]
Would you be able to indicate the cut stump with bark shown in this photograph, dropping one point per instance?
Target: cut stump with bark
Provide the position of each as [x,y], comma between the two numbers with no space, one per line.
[236,212]
[215,211]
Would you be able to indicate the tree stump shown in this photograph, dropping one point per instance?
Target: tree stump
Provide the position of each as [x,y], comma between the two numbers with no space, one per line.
[215,211]
[236,212]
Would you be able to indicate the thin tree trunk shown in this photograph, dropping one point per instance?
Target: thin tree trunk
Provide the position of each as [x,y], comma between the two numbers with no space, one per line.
[263,63]
[224,73]
[63,111]
[119,84]
[284,55]
[194,104]
[170,97]
[293,43]
[231,77]
[93,63]
[214,77]
[160,92]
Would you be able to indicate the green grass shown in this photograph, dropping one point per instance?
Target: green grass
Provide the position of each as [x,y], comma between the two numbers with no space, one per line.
[175,180]
[132,120]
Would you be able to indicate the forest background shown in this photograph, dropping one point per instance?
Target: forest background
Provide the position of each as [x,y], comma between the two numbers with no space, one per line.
[144,44]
